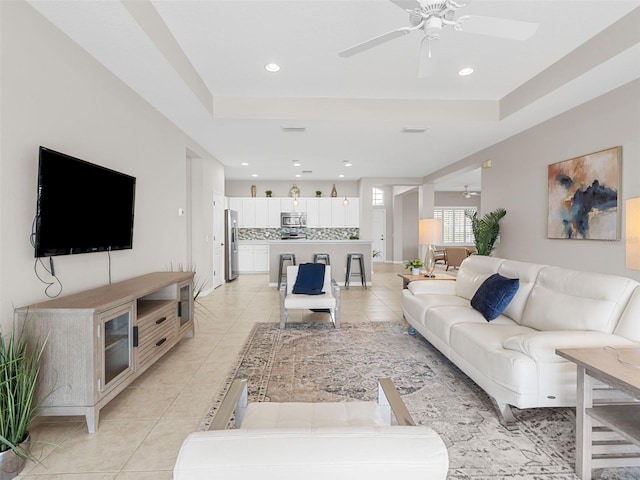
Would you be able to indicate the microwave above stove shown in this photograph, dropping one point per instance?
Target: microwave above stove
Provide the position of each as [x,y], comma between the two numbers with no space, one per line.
[293,219]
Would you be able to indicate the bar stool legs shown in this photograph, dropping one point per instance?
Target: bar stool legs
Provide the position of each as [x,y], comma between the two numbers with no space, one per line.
[359,257]
[317,257]
[284,257]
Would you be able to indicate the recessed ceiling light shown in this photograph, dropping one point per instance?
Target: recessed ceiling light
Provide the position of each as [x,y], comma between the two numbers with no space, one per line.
[244,164]
[341,176]
[296,163]
[465,71]
[254,174]
[272,67]
[347,163]
[298,175]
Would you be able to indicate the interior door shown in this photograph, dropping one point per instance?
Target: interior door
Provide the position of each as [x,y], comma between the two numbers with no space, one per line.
[218,239]
[379,235]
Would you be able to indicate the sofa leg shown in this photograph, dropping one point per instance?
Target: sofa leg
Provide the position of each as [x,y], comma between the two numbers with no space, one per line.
[507,419]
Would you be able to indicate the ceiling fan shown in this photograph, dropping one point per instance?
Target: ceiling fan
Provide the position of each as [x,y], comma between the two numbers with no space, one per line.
[431,16]
[467,193]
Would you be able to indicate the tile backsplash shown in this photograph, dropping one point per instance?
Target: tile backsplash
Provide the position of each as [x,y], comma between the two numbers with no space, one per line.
[312,233]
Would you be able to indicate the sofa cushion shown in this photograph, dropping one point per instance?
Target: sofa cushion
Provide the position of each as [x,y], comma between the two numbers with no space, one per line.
[440,319]
[541,346]
[564,299]
[480,344]
[473,271]
[415,307]
[493,296]
[628,324]
[443,287]
[526,273]
[312,415]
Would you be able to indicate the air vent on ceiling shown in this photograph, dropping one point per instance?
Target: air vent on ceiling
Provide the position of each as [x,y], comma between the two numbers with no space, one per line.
[293,129]
[414,129]
[307,171]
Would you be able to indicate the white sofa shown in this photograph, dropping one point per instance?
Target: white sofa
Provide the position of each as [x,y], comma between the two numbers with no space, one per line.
[513,357]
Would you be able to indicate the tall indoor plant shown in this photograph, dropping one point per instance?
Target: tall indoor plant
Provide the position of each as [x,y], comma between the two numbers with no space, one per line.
[486,229]
[19,368]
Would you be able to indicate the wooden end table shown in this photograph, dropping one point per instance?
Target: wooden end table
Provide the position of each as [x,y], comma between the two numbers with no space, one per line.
[618,368]
[407,278]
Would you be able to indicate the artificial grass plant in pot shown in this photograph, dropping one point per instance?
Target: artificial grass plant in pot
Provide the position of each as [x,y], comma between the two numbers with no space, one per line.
[19,368]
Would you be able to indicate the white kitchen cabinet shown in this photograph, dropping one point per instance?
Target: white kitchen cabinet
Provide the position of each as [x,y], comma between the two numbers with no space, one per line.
[261,212]
[319,212]
[253,258]
[248,218]
[245,258]
[261,259]
[235,203]
[286,205]
[324,212]
[273,206]
[345,216]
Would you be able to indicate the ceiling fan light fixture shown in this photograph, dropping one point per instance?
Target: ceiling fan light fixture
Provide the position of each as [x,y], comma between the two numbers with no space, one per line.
[272,67]
[465,71]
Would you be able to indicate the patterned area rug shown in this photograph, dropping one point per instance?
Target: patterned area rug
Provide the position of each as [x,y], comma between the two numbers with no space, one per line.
[315,362]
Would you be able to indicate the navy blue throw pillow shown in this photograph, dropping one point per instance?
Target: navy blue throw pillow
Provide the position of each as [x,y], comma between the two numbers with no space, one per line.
[494,295]
[310,279]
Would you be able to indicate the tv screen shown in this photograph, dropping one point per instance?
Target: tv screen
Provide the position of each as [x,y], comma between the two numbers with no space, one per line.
[82,207]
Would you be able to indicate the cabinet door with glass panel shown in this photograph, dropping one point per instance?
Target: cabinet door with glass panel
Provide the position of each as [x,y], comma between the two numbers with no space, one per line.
[114,336]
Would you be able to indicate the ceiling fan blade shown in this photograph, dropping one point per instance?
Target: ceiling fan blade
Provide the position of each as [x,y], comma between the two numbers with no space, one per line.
[406,4]
[497,27]
[374,42]
[428,61]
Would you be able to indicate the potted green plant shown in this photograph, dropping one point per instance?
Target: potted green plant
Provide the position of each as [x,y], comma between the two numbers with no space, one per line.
[485,229]
[20,358]
[414,265]
[318,193]
[268,193]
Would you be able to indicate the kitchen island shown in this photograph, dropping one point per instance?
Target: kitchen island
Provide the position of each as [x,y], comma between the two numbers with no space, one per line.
[337,250]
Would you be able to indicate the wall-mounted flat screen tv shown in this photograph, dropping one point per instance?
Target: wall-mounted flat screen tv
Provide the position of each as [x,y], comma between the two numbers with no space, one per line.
[82,207]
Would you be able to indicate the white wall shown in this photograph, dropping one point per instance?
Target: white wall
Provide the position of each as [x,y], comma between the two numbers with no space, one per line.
[54,94]
[517,180]
[455,199]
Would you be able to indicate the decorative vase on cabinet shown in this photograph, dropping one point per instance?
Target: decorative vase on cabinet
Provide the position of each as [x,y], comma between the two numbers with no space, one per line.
[334,192]
[254,191]
[295,191]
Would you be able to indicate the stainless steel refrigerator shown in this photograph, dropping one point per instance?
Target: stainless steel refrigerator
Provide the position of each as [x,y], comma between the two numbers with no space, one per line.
[231,245]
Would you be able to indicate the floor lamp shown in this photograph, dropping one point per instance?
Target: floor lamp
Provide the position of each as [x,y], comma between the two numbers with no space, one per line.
[632,233]
[430,233]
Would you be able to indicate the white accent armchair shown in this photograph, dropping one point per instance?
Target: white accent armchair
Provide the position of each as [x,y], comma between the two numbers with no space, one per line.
[314,441]
[329,301]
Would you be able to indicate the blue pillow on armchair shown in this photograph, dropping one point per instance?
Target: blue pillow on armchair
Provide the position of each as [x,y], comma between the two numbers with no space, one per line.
[494,295]
[310,279]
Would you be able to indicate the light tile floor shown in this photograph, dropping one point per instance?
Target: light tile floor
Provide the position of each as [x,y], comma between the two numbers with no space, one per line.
[141,430]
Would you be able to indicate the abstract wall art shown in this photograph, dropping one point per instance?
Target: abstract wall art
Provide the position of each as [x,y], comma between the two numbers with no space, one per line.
[583,197]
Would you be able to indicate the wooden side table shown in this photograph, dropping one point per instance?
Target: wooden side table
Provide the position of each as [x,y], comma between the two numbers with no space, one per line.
[408,278]
[618,410]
